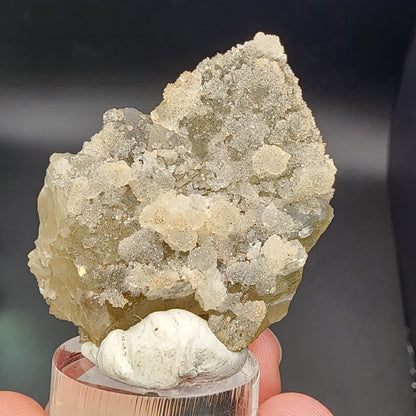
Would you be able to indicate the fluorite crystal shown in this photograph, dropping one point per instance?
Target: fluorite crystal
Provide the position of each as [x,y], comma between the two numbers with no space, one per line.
[210,204]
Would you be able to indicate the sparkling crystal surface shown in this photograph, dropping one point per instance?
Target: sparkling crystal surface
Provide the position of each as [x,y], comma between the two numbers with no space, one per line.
[209,204]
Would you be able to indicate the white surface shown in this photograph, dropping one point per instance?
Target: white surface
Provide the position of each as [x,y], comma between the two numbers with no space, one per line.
[163,350]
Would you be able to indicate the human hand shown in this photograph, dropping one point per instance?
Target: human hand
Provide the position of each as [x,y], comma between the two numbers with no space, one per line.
[17,404]
[272,401]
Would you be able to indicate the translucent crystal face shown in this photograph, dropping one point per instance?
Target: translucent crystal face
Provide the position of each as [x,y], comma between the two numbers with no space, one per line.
[209,204]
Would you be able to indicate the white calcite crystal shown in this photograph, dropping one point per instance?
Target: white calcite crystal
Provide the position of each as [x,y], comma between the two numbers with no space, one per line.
[164,350]
[210,204]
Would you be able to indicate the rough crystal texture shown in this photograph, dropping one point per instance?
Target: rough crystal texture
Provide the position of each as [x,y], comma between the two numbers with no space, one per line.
[209,204]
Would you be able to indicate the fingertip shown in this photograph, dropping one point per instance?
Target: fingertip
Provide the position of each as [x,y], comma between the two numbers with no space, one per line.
[293,404]
[267,340]
[267,349]
[17,404]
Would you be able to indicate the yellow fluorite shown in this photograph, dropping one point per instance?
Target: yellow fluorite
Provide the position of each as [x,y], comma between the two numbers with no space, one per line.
[209,204]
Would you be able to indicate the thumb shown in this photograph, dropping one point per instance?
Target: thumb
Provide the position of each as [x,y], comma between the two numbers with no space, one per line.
[16,404]
[293,404]
[268,352]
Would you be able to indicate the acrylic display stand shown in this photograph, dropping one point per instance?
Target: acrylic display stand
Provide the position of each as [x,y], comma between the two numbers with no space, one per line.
[78,388]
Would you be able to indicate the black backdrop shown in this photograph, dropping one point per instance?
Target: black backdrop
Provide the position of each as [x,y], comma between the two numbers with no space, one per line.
[402,181]
[330,44]
[63,63]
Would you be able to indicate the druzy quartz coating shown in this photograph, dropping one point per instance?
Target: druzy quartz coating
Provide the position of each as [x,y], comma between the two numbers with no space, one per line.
[210,204]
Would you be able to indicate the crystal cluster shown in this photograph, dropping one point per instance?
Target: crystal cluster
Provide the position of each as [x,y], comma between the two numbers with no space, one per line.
[210,204]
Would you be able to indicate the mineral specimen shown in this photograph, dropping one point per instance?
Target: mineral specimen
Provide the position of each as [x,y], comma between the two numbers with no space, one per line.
[209,204]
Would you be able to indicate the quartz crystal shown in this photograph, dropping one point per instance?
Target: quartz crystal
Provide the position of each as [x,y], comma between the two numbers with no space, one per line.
[210,204]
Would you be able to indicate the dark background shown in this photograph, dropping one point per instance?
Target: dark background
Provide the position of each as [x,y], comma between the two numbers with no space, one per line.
[63,63]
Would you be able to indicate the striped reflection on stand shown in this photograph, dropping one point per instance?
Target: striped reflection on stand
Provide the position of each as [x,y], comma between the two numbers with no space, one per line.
[79,388]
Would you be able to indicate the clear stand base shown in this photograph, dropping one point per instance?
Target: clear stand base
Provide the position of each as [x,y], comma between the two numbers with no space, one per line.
[79,388]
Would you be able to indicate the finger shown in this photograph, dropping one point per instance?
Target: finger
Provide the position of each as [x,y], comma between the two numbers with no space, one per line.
[268,351]
[47,409]
[16,404]
[293,404]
